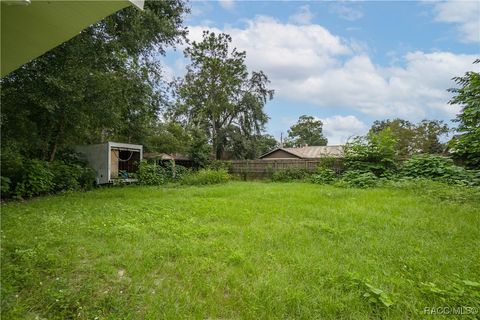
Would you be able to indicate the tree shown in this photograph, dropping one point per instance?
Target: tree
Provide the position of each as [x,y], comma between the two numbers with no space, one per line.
[466,145]
[374,152]
[307,131]
[218,95]
[102,84]
[423,137]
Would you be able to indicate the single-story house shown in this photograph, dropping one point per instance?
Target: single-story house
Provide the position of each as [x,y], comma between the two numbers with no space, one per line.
[112,160]
[307,152]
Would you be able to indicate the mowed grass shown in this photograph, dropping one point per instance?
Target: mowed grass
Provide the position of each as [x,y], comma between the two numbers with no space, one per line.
[244,250]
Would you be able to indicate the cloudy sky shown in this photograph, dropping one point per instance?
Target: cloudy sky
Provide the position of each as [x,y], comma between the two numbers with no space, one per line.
[347,62]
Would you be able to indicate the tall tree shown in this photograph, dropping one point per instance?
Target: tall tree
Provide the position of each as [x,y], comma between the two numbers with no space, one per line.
[217,93]
[102,84]
[466,145]
[422,137]
[307,131]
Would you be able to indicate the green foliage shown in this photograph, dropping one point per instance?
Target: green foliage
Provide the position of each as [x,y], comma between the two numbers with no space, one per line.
[289,175]
[466,145]
[332,163]
[307,131]
[423,137]
[438,168]
[324,176]
[206,177]
[103,84]
[172,171]
[151,174]
[5,186]
[374,152]
[217,94]
[358,179]
[66,177]
[37,179]
[199,150]
[456,293]
[374,296]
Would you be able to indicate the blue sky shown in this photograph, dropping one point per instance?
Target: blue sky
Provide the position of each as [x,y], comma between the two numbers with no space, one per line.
[347,63]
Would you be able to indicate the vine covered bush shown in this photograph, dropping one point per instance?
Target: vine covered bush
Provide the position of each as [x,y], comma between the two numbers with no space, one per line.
[358,179]
[438,168]
[324,176]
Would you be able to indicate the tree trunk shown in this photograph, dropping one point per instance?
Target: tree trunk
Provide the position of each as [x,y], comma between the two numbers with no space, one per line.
[61,127]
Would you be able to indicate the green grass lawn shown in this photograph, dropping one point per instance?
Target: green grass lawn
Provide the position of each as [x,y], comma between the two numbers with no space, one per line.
[244,250]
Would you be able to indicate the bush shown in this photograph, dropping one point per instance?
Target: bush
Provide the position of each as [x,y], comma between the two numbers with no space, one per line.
[37,179]
[5,186]
[374,152]
[65,177]
[290,175]
[358,179]
[324,176]
[151,174]
[438,168]
[205,177]
[173,172]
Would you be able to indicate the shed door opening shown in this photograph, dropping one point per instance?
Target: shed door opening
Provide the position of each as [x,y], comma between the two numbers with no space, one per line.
[123,163]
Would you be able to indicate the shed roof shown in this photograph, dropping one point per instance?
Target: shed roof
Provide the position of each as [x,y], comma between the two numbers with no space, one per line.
[311,152]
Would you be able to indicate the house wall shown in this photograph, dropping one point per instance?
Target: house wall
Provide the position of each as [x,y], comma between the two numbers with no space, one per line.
[280,154]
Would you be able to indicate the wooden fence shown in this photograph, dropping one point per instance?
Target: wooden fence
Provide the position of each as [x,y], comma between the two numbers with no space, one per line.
[262,168]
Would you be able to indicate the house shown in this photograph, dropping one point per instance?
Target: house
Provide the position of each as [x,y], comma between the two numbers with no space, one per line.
[308,152]
[112,160]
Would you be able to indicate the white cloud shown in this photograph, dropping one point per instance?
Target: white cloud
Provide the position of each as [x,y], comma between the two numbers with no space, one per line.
[309,64]
[303,16]
[464,14]
[346,12]
[338,129]
[227,4]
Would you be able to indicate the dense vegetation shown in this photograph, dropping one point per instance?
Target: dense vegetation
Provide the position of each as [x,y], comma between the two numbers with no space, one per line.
[243,250]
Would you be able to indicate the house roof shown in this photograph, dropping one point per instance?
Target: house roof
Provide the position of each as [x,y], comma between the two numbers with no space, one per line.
[311,152]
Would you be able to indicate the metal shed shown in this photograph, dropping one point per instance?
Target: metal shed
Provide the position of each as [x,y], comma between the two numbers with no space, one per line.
[113,160]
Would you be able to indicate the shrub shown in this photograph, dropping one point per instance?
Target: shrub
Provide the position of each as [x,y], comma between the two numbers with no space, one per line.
[171,171]
[438,168]
[290,175]
[374,152]
[5,186]
[65,177]
[205,177]
[151,174]
[37,179]
[324,176]
[358,179]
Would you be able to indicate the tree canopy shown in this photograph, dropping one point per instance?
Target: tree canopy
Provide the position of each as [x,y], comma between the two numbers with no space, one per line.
[466,145]
[422,137]
[307,131]
[219,96]
[103,84]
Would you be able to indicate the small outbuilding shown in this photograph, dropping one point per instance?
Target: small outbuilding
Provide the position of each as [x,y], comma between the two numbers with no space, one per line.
[308,152]
[113,160]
